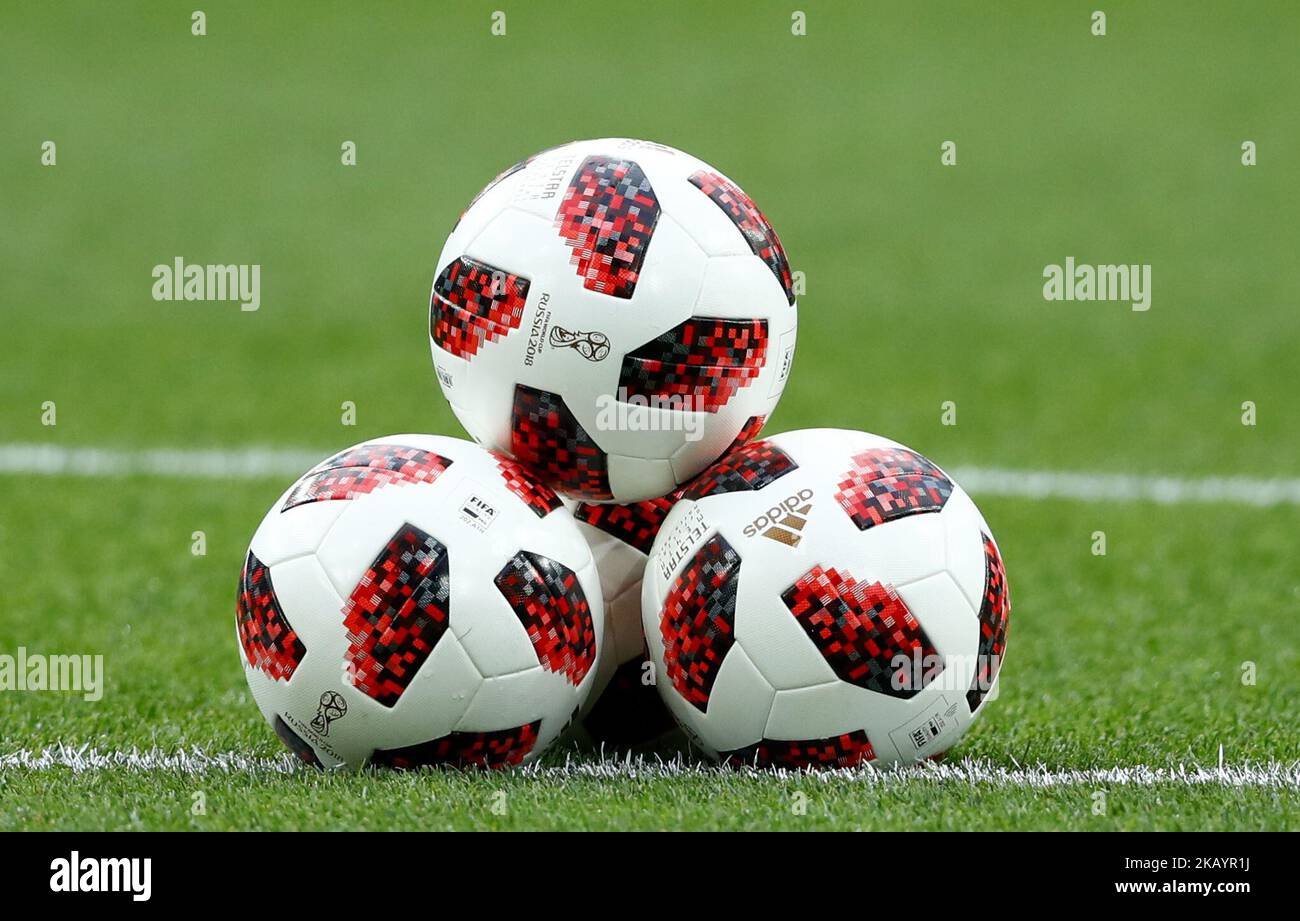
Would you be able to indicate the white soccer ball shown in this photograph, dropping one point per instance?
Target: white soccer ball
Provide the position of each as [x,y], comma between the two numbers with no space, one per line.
[615,313]
[416,600]
[825,598]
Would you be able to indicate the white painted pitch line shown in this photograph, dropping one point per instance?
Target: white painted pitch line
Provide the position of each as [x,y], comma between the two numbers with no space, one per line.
[180,463]
[975,772]
[257,463]
[1123,487]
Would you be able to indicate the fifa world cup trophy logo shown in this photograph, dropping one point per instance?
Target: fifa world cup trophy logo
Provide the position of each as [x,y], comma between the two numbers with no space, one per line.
[332,706]
[592,346]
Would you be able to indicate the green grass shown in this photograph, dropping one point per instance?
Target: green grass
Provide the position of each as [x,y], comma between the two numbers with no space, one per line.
[924,285]
[1129,659]
[713,800]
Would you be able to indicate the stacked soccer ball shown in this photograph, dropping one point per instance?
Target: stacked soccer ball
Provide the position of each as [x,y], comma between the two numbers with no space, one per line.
[613,321]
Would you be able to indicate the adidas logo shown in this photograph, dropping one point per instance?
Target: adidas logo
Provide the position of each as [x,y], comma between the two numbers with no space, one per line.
[784,522]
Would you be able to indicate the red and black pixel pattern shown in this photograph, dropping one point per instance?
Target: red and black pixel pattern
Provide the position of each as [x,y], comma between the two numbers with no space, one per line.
[994,617]
[842,751]
[546,436]
[699,364]
[748,432]
[861,629]
[270,643]
[549,602]
[888,483]
[474,303]
[497,749]
[397,613]
[536,495]
[751,466]
[607,218]
[362,470]
[296,743]
[750,221]
[698,620]
[636,524]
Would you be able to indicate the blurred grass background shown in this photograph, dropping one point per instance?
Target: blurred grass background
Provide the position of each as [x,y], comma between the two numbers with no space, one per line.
[924,282]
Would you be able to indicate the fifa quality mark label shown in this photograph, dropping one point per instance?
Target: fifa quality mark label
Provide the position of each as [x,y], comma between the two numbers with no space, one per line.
[444,376]
[928,731]
[784,358]
[477,512]
[537,330]
[685,535]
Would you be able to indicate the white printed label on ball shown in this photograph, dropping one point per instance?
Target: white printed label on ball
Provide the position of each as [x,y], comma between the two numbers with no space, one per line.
[684,535]
[922,732]
[544,181]
[476,511]
[784,355]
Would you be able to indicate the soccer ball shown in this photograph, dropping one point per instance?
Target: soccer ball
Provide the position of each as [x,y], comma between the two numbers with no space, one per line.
[416,600]
[614,313]
[825,598]
[624,708]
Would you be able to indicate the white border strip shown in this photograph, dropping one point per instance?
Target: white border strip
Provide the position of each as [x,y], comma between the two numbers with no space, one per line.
[255,463]
[974,772]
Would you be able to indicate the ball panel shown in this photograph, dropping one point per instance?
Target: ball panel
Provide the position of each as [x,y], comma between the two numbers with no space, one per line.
[268,639]
[950,625]
[636,475]
[435,701]
[697,623]
[994,617]
[863,630]
[963,527]
[846,750]
[741,287]
[532,696]
[546,435]
[771,636]
[552,608]
[699,365]
[474,304]
[607,217]
[487,204]
[492,750]
[905,551]
[738,714]
[822,711]
[753,226]
[397,613]
[284,535]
